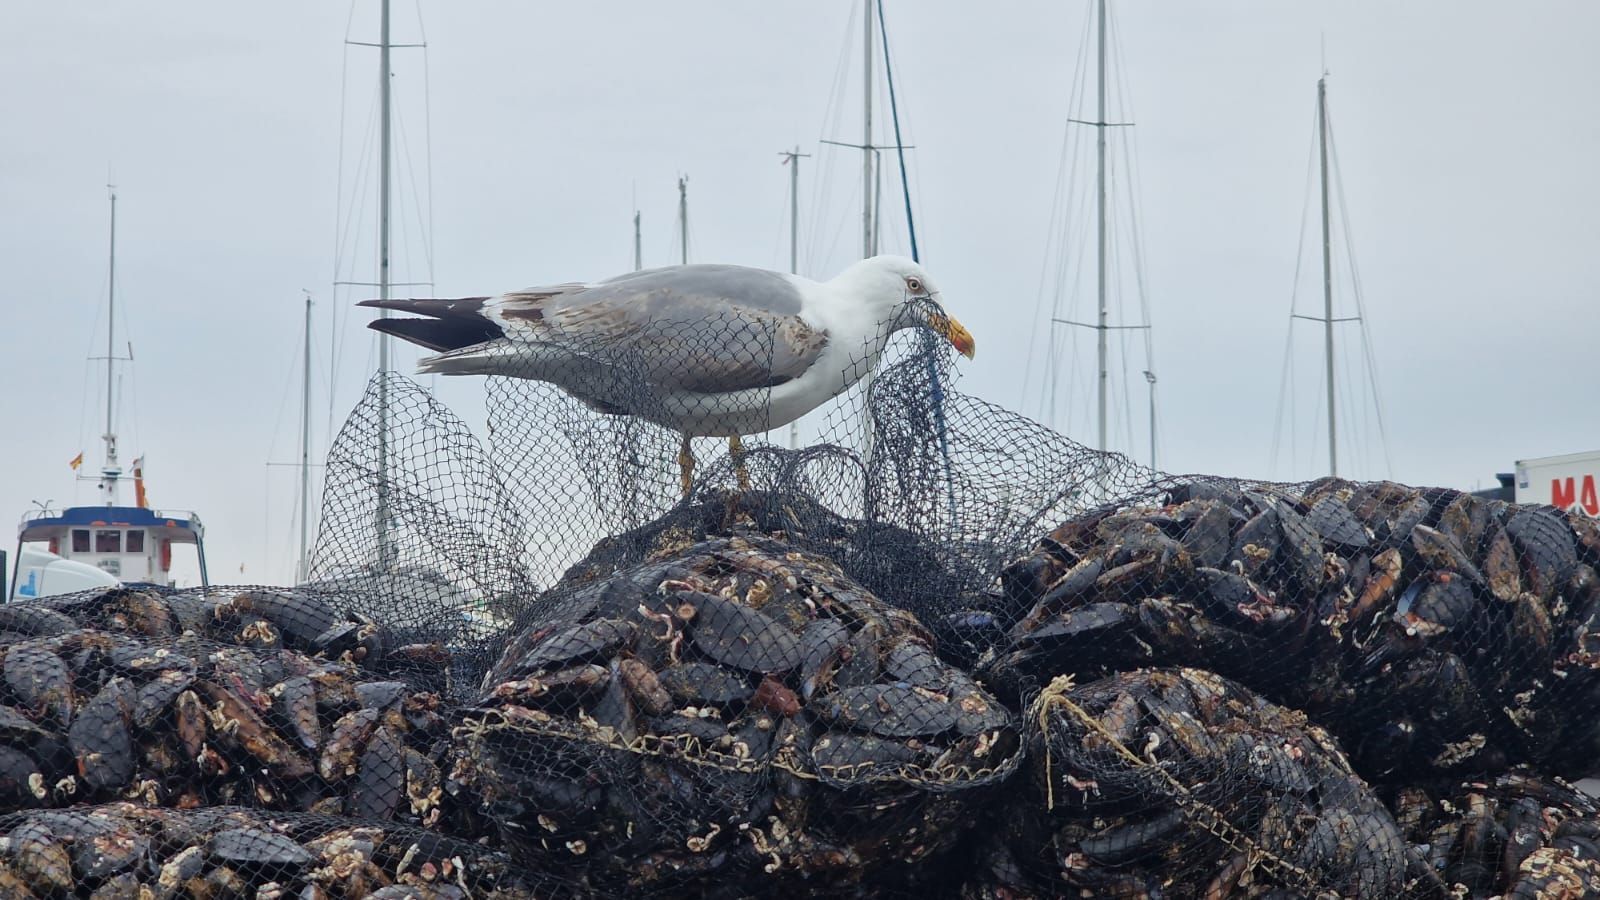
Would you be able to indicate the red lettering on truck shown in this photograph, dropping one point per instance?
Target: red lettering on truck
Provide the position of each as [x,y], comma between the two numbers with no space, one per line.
[1565,494]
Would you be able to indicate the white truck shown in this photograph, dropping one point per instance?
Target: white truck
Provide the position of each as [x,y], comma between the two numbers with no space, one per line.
[1567,482]
[40,573]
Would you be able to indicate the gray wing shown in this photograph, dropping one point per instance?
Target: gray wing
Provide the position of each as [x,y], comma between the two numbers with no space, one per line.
[699,328]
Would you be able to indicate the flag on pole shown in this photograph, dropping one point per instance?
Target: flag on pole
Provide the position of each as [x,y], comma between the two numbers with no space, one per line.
[138,483]
[76,461]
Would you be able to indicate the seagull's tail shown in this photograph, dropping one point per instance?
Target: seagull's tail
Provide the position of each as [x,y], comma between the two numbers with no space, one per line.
[453,324]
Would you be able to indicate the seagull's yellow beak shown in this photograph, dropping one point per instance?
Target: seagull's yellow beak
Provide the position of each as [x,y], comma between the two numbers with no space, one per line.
[954,332]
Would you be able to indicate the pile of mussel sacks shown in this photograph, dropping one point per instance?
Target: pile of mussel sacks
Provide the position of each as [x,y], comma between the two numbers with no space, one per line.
[1215,690]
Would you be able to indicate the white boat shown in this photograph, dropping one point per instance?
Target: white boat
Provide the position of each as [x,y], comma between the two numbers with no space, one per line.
[56,549]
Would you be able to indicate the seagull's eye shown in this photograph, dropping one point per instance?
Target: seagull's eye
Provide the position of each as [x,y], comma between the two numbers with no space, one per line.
[913,283]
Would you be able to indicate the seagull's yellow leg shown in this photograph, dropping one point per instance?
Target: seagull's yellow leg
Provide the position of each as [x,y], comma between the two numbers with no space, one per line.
[686,466]
[736,452]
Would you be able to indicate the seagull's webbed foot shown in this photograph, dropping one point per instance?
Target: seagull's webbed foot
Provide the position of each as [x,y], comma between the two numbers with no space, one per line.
[740,473]
[686,466]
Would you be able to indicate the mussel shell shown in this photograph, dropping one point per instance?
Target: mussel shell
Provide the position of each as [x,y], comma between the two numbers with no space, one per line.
[253,847]
[1302,547]
[39,678]
[843,749]
[1257,542]
[1077,624]
[1547,546]
[824,642]
[912,662]
[152,698]
[702,683]
[299,615]
[30,618]
[1500,566]
[575,643]
[380,782]
[1338,525]
[735,635]
[892,710]
[1206,536]
[100,737]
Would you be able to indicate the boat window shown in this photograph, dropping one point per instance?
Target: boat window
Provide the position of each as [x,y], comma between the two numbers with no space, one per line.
[108,541]
[80,540]
[135,543]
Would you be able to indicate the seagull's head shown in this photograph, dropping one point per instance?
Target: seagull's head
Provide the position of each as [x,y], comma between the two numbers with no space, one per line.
[904,296]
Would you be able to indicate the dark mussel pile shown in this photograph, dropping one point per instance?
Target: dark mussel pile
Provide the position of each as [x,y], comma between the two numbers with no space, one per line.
[732,705]
[1515,835]
[1214,689]
[1181,783]
[90,715]
[126,851]
[1434,632]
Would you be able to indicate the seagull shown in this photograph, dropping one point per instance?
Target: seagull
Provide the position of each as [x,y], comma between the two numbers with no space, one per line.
[707,350]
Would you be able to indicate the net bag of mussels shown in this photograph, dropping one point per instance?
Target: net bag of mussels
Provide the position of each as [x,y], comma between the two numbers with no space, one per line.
[1518,835]
[1181,783]
[731,706]
[1434,632]
[124,851]
[90,715]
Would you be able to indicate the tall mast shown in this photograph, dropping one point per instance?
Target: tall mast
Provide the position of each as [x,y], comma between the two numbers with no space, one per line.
[110,471]
[792,159]
[867,248]
[683,218]
[866,137]
[305,449]
[1100,132]
[1327,271]
[638,246]
[384,78]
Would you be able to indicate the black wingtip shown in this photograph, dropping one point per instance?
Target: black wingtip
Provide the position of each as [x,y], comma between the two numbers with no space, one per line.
[440,335]
[429,306]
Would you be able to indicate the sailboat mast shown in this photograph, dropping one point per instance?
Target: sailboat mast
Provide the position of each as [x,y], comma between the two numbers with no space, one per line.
[1327,272]
[384,79]
[793,159]
[794,210]
[867,249]
[305,449]
[683,218]
[383,182]
[866,137]
[1100,132]
[109,472]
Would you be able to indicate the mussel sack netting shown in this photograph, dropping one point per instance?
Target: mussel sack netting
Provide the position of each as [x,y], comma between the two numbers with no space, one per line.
[733,706]
[1180,782]
[125,850]
[1435,633]
[90,715]
[829,670]
[920,492]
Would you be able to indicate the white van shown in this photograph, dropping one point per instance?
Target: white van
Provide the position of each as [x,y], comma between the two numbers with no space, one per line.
[40,573]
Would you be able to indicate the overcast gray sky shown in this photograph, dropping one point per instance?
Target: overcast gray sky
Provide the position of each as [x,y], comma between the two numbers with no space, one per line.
[1467,134]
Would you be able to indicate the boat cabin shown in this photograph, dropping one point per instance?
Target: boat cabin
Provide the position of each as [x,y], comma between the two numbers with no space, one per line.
[131,543]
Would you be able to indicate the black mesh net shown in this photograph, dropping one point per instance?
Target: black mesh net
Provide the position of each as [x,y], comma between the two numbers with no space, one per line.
[732,704]
[940,651]
[92,716]
[1183,783]
[128,850]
